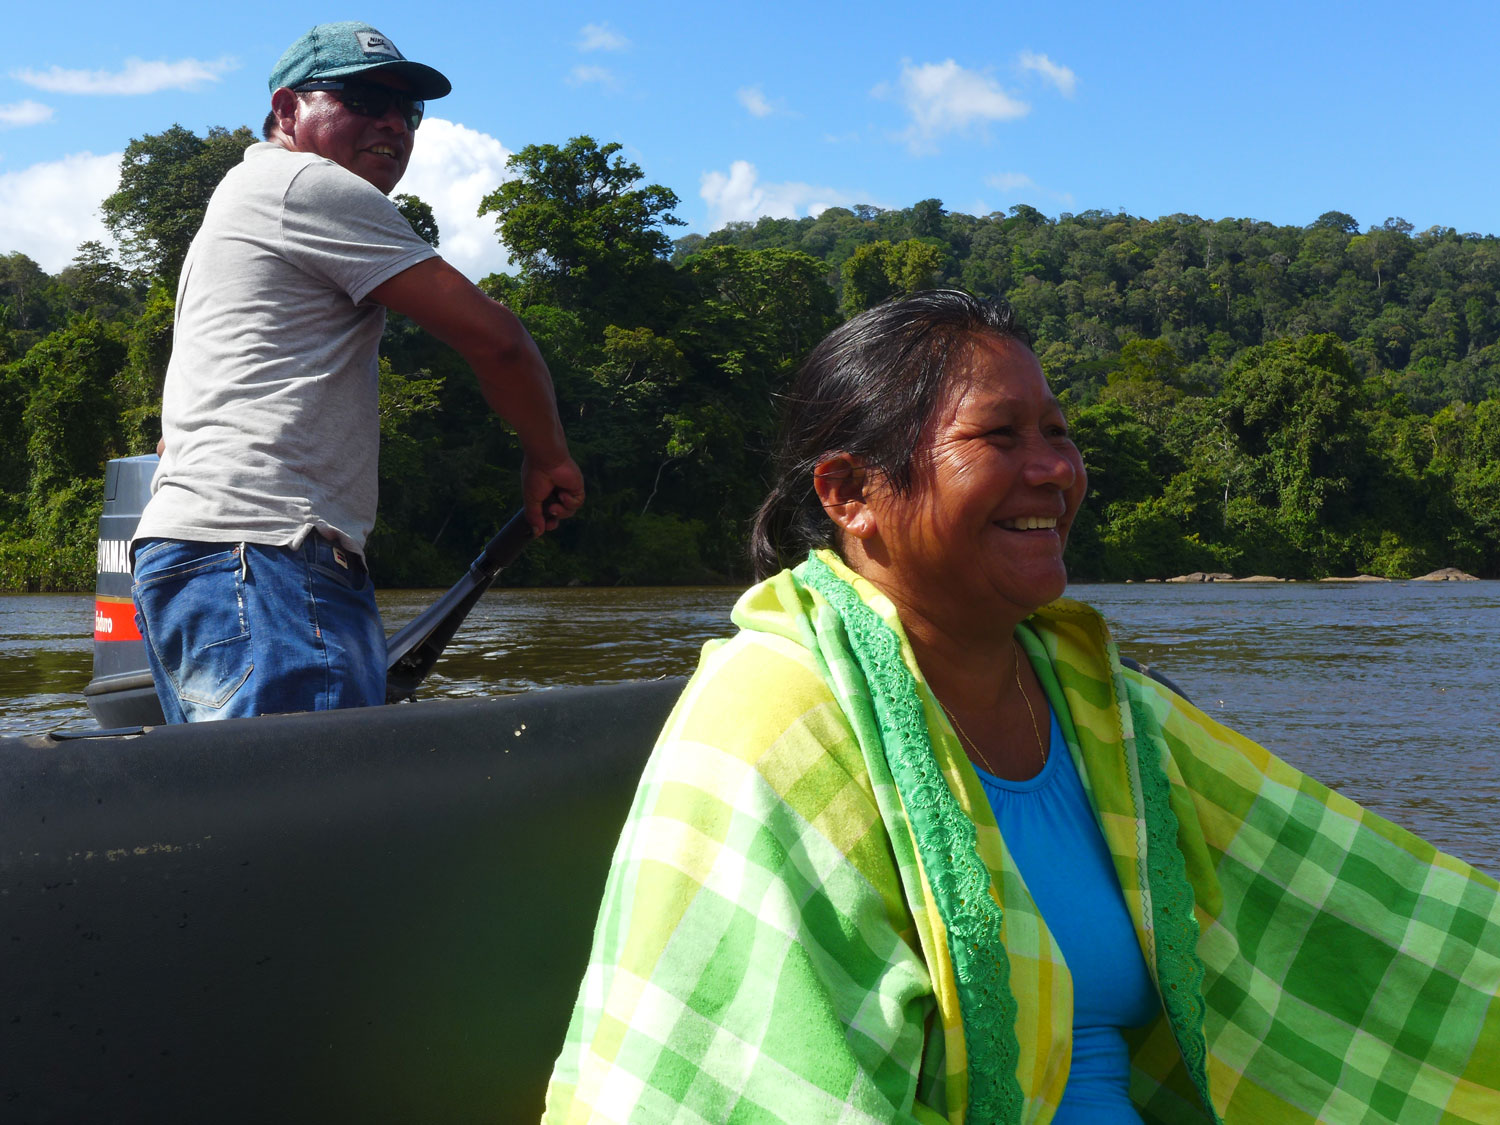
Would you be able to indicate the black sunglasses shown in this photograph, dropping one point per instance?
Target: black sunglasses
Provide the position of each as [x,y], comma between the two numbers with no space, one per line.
[367,99]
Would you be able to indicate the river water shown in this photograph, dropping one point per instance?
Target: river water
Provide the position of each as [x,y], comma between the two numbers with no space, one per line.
[1386,691]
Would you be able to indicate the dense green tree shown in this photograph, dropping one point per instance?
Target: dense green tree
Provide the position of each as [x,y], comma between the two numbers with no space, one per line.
[926,218]
[685,247]
[772,305]
[583,234]
[95,283]
[25,300]
[166,180]
[1123,456]
[69,422]
[15,466]
[1466,462]
[878,271]
[1147,381]
[71,416]
[1336,220]
[138,386]
[1247,396]
[835,234]
[1293,405]
[419,215]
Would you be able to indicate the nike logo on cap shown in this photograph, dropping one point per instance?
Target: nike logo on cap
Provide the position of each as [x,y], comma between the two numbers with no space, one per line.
[373,43]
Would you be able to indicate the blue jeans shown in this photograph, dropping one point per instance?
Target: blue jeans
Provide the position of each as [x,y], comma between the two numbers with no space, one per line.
[237,629]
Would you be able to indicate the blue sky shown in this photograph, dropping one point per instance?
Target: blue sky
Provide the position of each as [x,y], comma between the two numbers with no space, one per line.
[1276,111]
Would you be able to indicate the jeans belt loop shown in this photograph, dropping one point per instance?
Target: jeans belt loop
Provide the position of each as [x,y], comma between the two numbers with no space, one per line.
[244,564]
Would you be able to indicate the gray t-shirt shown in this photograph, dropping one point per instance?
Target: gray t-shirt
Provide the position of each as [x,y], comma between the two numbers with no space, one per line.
[270,411]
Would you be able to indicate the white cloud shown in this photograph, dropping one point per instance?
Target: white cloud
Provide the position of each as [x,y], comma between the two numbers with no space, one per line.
[48,210]
[452,168]
[739,196]
[17,114]
[1011,181]
[1060,76]
[1022,188]
[945,97]
[582,75]
[137,77]
[754,100]
[601,37]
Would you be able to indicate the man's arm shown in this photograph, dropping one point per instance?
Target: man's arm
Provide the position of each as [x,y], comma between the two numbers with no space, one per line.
[512,375]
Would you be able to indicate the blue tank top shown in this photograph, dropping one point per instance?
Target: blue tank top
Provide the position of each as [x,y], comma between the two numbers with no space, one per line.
[1051,833]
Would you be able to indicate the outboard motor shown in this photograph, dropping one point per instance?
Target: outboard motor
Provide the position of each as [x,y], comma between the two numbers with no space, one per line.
[121,693]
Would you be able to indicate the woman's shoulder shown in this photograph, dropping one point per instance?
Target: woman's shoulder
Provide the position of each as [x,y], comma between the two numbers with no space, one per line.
[758,703]
[1205,753]
[753,684]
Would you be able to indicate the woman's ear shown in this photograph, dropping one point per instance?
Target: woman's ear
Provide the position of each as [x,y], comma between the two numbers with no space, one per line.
[841,482]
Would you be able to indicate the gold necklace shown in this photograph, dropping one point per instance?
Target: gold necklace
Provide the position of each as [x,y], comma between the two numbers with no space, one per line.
[964,735]
[1036,730]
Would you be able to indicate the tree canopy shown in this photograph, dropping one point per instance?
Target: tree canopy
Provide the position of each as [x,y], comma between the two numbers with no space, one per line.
[1252,398]
[166,180]
[581,232]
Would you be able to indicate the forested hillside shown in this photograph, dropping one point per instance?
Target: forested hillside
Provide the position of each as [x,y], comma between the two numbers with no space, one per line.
[1292,400]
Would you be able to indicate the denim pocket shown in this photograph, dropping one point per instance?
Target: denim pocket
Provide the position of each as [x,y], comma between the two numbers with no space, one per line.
[191,597]
[344,567]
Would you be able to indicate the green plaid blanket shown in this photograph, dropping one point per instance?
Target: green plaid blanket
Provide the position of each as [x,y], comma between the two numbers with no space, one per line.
[812,917]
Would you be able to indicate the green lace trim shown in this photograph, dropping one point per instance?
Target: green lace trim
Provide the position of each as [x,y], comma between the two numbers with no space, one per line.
[947,844]
[1179,969]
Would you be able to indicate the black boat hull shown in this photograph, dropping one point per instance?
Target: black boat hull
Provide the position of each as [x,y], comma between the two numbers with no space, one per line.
[373,915]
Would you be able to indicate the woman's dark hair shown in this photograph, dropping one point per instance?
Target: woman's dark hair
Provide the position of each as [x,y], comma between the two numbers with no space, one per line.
[868,390]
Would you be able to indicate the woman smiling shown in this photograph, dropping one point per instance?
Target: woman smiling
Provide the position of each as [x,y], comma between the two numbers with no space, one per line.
[915,846]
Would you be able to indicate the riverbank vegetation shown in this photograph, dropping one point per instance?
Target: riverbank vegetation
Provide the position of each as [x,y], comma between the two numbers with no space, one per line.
[1301,401]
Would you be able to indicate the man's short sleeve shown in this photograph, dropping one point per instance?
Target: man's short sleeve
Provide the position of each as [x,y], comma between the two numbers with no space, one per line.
[344,231]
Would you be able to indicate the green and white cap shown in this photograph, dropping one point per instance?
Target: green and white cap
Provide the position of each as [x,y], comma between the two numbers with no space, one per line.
[341,50]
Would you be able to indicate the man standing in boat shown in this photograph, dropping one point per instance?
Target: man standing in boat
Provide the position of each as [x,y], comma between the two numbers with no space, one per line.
[250,583]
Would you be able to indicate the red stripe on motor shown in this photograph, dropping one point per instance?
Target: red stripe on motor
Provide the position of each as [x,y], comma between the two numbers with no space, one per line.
[115,621]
